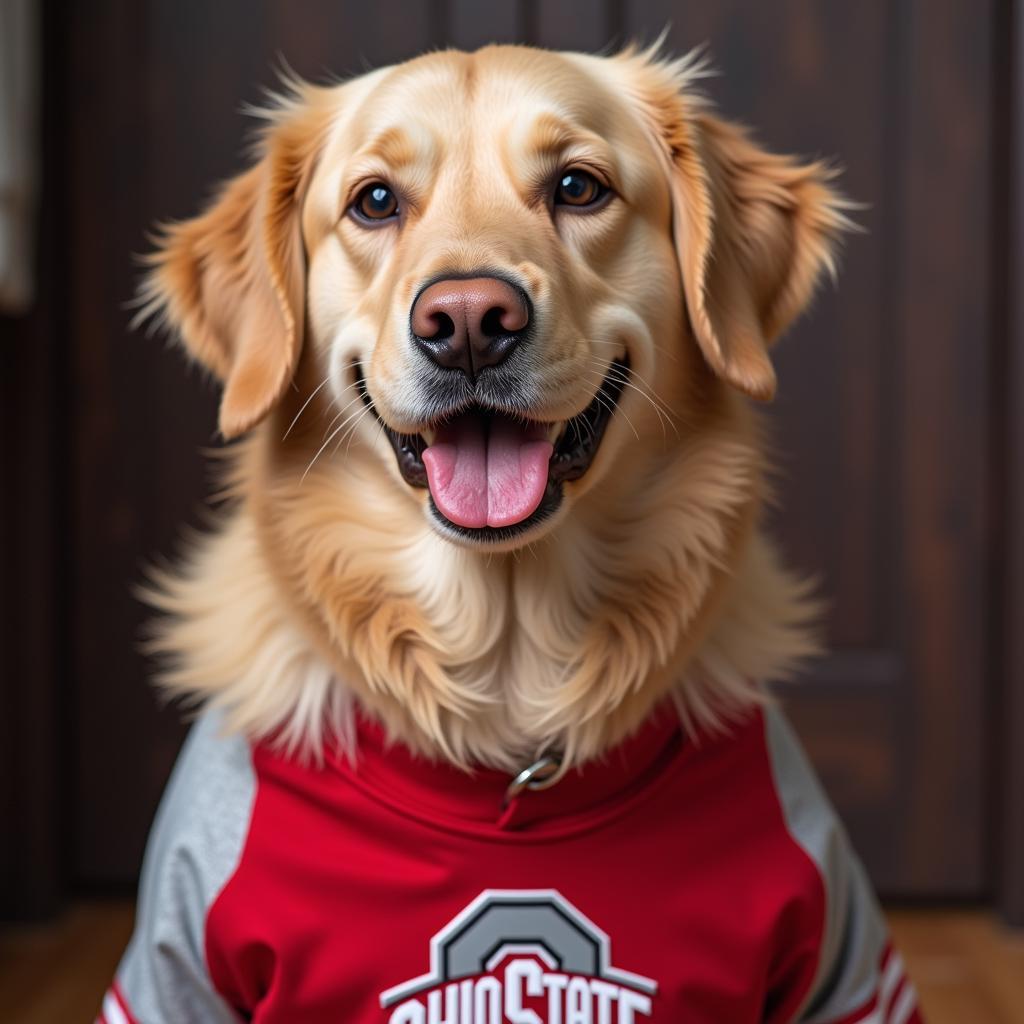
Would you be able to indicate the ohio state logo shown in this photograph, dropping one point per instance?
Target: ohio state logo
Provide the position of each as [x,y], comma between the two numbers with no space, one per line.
[520,956]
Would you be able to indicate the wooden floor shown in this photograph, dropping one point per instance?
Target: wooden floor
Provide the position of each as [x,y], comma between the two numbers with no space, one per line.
[968,969]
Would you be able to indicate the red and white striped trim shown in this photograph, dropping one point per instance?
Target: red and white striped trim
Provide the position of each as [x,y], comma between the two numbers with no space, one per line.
[115,1009]
[895,1002]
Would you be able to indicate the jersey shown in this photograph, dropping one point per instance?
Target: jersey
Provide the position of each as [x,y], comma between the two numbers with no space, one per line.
[677,880]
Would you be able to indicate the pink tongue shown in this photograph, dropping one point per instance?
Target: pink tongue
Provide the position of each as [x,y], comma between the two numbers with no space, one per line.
[487,474]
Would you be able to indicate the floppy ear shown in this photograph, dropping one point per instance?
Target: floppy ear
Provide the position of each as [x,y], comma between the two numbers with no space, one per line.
[232,280]
[753,231]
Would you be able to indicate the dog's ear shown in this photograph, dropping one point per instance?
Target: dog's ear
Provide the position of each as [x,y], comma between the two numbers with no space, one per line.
[231,282]
[753,231]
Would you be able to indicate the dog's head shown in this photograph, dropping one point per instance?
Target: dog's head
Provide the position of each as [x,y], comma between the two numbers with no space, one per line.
[509,271]
[494,296]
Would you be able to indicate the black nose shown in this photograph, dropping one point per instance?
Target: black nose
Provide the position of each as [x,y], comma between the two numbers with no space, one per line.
[469,324]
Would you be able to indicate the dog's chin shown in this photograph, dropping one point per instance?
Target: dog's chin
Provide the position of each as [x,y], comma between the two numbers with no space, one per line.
[574,446]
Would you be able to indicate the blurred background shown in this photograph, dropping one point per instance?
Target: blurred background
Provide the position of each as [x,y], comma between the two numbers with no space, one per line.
[899,425]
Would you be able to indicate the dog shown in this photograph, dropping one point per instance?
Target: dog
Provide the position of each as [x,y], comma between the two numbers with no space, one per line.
[481,640]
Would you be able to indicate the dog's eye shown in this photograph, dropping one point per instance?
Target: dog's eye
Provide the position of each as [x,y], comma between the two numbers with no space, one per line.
[375,203]
[579,188]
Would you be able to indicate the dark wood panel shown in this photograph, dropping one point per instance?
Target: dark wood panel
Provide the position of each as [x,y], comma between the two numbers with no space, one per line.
[119,482]
[944,390]
[1009,724]
[33,547]
[881,420]
[575,24]
[341,39]
[472,24]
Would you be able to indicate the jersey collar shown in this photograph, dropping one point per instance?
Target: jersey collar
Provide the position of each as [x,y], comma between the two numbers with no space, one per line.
[450,796]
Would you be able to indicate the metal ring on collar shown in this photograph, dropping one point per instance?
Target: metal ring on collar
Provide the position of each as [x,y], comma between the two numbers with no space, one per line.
[539,775]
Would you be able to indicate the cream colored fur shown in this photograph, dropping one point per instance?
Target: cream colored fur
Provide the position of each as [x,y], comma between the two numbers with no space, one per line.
[579,639]
[326,587]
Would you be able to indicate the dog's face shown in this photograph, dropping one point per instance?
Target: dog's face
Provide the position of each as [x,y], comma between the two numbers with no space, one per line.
[507,258]
[517,273]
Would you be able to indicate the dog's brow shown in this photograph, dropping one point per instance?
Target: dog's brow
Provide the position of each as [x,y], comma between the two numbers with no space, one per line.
[394,146]
[550,135]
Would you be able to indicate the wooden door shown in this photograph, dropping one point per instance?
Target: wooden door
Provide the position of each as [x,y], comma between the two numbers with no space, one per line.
[882,415]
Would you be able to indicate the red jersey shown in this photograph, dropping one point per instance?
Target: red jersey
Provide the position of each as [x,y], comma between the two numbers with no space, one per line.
[677,881]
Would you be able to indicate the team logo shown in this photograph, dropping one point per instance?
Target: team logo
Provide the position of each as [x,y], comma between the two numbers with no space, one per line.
[520,957]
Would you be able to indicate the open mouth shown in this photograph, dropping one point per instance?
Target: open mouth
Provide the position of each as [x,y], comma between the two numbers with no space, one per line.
[492,475]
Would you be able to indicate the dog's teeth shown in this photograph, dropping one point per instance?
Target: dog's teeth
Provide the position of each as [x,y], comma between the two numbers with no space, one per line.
[428,435]
[555,432]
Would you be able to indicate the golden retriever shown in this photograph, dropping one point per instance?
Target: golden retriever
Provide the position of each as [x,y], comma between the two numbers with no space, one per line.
[656,251]
[484,629]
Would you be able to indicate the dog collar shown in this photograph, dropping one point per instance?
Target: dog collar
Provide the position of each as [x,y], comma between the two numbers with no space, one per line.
[542,774]
[538,799]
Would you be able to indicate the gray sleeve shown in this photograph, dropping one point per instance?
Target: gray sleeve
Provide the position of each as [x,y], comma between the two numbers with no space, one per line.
[194,848]
[855,936]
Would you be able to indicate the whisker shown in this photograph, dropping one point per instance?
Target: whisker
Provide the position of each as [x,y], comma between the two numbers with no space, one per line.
[339,414]
[663,414]
[615,373]
[333,434]
[661,409]
[615,344]
[380,427]
[650,388]
[576,421]
[305,404]
[603,402]
[351,433]
[352,421]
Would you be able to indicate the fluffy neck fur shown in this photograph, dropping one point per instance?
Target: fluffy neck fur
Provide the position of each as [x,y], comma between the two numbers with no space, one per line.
[322,593]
